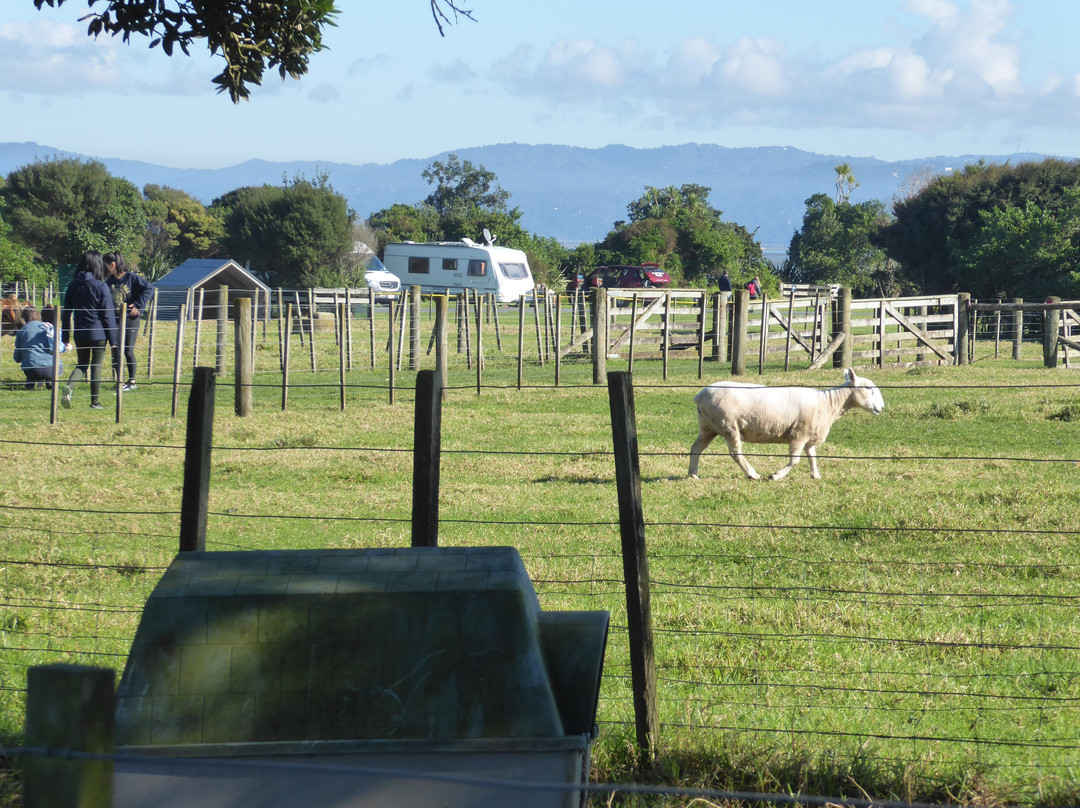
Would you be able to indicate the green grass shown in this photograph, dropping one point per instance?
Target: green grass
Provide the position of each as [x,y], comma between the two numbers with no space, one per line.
[823,636]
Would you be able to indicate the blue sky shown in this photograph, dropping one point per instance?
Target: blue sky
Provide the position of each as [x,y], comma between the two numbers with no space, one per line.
[892,79]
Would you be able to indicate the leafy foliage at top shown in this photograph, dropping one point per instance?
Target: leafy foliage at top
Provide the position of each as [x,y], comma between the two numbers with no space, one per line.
[251,36]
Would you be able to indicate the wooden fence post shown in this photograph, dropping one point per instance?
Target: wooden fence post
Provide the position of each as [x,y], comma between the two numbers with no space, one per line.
[665,345]
[963,329]
[600,334]
[222,325]
[635,563]
[557,328]
[741,314]
[286,347]
[521,340]
[343,328]
[442,345]
[151,333]
[390,363]
[118,363]
[702,321]
[720,326]
[479,341]
[371,323]
[414,329]
[69,708]
[195,500]
[1018,328]
[427,447]
[243,400]
[181,318]
[1051,326]
[54,392]
[842,325]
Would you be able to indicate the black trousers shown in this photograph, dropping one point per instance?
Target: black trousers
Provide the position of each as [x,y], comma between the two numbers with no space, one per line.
[90,356]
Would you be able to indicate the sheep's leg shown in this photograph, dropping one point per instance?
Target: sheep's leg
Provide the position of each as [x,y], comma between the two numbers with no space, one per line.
[796,448]
[704,438]
[734,442]
[811,455]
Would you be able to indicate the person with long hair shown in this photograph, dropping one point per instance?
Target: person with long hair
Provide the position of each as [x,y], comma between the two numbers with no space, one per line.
[90,320]
[129,290]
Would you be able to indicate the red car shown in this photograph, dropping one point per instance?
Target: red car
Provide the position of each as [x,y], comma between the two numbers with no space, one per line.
[621,276]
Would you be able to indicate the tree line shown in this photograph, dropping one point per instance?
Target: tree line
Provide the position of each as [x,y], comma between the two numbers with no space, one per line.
[991,230]
[302,233]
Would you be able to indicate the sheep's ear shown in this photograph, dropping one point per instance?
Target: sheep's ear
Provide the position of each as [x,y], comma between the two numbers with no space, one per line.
[849,375]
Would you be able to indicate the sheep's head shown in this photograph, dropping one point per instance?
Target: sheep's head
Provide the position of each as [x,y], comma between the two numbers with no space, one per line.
[865,393]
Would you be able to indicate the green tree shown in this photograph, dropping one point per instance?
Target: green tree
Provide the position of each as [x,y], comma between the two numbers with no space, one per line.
[933,230]
[60,208]
[290,232]
[845,182]
[678,229]
[463,195]
[1025,251]
[178,227]
[17,261]
[835,245]
[401,222]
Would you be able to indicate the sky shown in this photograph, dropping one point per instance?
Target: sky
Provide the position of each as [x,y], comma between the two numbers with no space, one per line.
[892,79]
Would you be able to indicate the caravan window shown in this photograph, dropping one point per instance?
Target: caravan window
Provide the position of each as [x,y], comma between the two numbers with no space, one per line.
[449,264]
[477,267]
[419,266]
[514,271]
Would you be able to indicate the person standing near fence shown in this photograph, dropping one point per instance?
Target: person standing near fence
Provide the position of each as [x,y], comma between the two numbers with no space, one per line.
[132,290]
[90,320]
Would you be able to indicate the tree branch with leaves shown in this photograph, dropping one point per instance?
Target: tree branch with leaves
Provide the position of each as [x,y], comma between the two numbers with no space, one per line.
[252,36]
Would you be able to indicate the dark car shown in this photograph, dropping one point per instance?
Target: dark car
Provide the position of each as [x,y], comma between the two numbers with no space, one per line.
[622,276]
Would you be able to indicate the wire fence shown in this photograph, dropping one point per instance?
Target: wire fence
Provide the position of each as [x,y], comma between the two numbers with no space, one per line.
[837,646]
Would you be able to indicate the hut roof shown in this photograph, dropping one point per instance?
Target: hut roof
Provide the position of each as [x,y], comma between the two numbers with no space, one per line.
[196,272]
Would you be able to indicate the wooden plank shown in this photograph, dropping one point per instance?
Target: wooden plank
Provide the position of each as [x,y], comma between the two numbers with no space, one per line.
[827,353]
[914,329]
[639,323]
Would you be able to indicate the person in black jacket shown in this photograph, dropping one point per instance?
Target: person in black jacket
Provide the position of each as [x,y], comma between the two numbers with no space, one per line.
[129,289]
[90,320]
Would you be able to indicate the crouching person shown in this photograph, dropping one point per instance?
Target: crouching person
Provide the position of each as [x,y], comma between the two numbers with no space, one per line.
[34,345]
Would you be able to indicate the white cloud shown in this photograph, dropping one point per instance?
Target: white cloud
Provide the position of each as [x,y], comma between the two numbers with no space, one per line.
[960,66]
[57,59]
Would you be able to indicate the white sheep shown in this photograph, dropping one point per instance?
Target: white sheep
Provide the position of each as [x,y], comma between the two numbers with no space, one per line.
[798,416]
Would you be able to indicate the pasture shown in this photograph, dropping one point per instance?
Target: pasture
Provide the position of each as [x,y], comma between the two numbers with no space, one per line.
[904,628]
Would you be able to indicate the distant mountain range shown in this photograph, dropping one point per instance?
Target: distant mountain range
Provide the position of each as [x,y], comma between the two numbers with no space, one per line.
[569,193]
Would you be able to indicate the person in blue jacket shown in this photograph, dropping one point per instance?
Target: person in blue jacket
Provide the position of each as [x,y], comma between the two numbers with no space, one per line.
[131,290]
[34,344]
[90,320]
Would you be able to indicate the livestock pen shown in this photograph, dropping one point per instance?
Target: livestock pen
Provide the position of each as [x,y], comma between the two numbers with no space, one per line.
[905,628]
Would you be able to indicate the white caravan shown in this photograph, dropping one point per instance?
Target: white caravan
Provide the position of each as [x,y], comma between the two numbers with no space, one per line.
[451,266]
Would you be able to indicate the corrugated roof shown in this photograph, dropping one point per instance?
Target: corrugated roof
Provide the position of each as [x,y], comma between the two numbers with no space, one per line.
[197,272]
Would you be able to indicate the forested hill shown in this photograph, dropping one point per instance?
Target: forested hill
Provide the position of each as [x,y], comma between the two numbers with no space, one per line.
[569,193]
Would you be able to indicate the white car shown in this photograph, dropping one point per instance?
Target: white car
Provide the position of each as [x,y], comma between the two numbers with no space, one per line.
[386,284]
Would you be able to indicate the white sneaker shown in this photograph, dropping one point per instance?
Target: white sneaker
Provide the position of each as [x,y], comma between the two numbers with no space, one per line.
[65,398]
[130,386]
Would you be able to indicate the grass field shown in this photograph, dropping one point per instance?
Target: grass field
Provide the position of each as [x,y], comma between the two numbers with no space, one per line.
[906,627]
